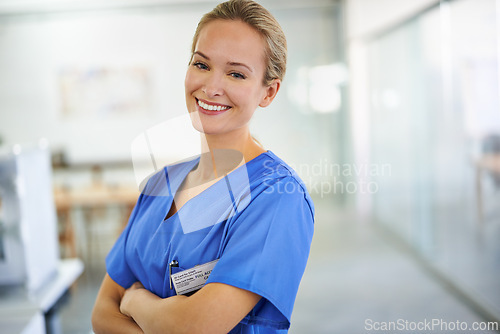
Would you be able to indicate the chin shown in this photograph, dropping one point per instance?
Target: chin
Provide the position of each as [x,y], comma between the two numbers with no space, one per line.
[201,126]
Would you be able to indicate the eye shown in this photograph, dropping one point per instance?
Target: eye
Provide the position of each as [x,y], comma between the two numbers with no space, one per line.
[237,75]
[200,65]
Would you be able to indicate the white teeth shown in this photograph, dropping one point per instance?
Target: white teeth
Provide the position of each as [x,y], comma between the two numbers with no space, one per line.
[211,107]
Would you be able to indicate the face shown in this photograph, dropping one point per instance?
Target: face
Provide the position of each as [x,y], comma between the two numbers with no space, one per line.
[224,81]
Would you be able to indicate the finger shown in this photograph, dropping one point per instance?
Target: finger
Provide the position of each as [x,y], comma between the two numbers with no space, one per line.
[137,285]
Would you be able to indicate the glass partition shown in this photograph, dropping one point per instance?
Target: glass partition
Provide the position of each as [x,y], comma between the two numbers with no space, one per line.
[434,104]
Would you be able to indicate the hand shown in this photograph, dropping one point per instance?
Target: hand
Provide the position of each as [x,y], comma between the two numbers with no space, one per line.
[127,297]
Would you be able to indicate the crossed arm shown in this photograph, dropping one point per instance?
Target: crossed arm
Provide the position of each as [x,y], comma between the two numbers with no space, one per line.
[216,308]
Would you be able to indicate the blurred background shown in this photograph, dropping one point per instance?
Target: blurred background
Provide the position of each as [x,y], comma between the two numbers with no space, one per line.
[390,113]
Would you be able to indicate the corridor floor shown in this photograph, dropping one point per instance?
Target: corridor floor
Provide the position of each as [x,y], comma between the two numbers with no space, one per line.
[356,281]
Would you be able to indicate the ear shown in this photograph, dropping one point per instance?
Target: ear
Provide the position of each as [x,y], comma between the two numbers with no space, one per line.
[271,92]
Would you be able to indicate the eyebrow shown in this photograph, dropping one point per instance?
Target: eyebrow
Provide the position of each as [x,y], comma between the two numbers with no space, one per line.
[232,63]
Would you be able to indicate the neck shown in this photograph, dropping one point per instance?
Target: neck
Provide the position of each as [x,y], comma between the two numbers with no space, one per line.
[222,153]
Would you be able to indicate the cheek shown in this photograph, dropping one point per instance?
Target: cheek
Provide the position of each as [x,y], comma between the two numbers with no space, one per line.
[187,82]
[254,98]
[190,82]
[188,91]
[248,97]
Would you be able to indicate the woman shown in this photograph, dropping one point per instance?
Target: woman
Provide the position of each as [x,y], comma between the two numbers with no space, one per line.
[252,248]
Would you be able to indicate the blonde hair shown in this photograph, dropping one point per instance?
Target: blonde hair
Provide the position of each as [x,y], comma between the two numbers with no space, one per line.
[262,21]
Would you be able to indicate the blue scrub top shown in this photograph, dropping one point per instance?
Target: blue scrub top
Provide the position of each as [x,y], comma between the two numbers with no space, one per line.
[261,232]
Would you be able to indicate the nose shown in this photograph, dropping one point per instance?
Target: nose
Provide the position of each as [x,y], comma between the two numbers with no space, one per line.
[213,85]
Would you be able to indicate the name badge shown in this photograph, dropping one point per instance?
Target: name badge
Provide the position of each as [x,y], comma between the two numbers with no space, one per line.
[190,280]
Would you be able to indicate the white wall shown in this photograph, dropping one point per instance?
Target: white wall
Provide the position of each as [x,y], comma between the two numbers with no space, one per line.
[36,47]
[365,17]
[35,50]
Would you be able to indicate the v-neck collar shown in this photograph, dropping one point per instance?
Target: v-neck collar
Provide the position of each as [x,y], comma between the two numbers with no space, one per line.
[176,180]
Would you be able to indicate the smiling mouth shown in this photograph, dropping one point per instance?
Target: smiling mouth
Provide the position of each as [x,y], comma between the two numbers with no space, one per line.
[211,107]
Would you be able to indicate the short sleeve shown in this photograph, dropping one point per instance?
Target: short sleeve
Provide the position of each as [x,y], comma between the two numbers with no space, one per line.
[266,249]
[116,262]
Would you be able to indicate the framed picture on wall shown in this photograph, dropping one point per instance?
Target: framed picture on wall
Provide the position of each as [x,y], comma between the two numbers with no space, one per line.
[104,92]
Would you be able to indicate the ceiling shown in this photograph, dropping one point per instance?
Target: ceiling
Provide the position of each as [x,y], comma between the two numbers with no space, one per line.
[21,7]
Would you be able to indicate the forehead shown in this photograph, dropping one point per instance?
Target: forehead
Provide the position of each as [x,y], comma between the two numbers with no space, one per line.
[232,40]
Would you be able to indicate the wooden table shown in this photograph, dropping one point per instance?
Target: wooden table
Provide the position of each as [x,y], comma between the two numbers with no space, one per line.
[95,197]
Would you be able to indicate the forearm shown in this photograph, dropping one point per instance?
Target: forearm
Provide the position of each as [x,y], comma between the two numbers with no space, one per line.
[107,318]
[215,308]
[156,315]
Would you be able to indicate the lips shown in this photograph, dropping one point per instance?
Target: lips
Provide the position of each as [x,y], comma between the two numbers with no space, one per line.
[211,108]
